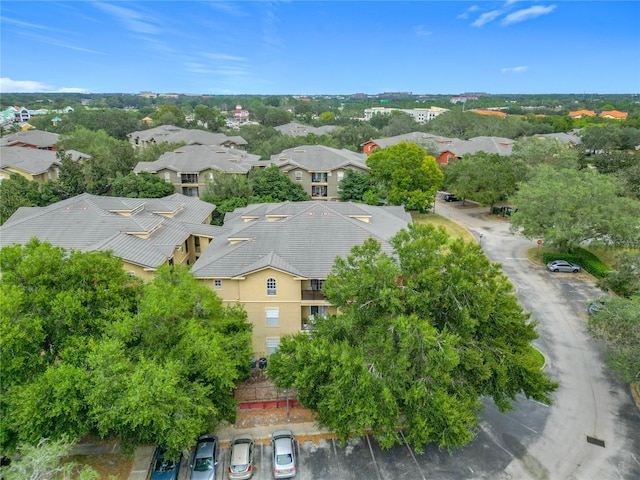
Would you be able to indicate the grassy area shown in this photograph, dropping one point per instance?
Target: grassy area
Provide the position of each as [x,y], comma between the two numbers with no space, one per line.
[115,466]
[452,228]
[537,357]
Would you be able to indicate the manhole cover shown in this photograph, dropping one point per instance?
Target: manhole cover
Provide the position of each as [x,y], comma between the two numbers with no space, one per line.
[595,441]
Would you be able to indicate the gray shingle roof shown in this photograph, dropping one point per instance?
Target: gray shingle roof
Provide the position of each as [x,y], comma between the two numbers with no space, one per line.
[304,243]
[92,223]
[37,138]
[415,137]
[172,134]
[31,160]
[199,158]
[319,158]
[298,130]
[502,146]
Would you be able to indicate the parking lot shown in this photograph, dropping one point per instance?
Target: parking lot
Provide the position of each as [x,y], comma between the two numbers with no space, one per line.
[499,440]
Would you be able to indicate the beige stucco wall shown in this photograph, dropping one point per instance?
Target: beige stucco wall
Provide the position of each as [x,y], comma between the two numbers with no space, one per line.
[252,293]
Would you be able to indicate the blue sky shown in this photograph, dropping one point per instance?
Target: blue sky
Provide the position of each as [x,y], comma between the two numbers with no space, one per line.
[330,47]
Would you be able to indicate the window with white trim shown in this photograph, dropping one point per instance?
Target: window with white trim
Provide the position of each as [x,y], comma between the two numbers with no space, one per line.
[272,345]
[167,177]
[273,317]
[340,175]
[217,284]
[271,286]
[298,175]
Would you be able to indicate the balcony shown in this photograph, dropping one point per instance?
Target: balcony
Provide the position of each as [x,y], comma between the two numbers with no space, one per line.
[319,178]
[312,295]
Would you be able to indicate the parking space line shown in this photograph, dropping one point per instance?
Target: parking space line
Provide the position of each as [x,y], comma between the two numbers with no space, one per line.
[262,460]
[413,456]
[373,457]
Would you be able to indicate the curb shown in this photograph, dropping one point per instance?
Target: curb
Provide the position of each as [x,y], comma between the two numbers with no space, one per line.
[635,393]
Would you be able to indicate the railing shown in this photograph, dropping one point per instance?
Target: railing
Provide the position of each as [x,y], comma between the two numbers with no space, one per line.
[312,295]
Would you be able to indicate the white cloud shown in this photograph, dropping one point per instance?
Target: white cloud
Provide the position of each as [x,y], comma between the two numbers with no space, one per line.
[421,31]
[464,15]
[132,20]
[7,85]
[527,14]
[224,56]
[22,86]
[486,18]
[519,69]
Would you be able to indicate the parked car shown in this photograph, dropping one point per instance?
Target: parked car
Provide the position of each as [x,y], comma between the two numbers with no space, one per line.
[450,197]
[206,458]
[563,266]
[284,456]
[241,463]
[163,468]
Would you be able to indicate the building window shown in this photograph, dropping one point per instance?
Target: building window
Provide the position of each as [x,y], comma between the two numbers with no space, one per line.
[271,286]
[273,317]
[272,345]
[167,177]
[217,284]
[196,242]
[317,284]
[340,175]
[189,177]
[298,176]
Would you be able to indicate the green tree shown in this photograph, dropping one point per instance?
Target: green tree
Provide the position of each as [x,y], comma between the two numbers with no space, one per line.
[275,116]
[399,123]
[85,348]
[141,185]
[209,118]
[484,177]
[44,461]
[354,186]
[407,175]
[327,117]
[422,335]
[271,183]
[537,151]
[353,136]
[71,180]
[624,280]
[567,207]
[618,324]
[17,192]
[170,115]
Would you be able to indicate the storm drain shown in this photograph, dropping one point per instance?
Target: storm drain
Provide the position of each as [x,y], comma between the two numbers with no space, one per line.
[595,441]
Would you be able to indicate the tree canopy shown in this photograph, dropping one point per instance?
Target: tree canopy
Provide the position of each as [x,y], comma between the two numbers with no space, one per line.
[141,185]
[422,335]
[484,177]
[406,175]
[567,207]
[618,324]
[85,348]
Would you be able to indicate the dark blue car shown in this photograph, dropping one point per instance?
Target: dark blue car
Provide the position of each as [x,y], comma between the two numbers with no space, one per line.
[163,468]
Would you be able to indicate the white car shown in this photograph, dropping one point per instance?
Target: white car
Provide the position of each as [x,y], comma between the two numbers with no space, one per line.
[563,266]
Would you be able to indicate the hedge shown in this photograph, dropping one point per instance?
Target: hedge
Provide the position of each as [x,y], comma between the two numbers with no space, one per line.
[587,260]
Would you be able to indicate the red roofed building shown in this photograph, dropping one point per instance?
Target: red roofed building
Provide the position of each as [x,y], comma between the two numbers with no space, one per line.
[614,114]
[494,113]
[582,113]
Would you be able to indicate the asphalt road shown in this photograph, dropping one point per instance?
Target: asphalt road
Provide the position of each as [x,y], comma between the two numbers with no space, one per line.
[589,402]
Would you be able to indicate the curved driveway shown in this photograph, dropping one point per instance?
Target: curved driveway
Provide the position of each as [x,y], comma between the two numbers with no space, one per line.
[592,429]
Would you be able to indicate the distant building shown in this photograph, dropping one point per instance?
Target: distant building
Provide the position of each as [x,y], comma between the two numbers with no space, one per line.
[319,169]
[582,113]
[144,232]
[189,168]
[190,136]
[31,139]
[614,114]
[240,114]
[420,115]
[489,112]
